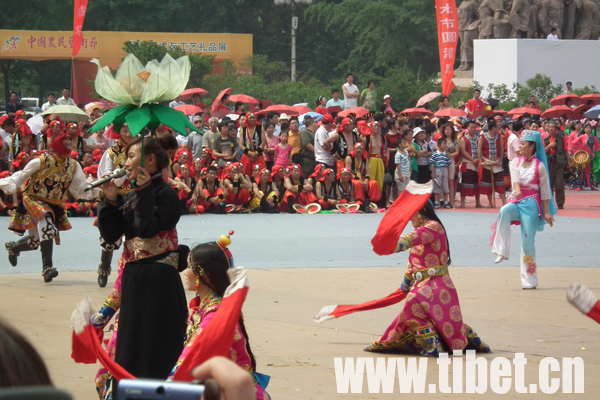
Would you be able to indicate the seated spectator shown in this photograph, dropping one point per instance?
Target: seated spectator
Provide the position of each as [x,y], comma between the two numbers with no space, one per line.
[326,190]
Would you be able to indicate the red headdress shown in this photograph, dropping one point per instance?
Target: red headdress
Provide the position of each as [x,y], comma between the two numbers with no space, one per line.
[3,119]
[179,174]
[59,148]
[275,170]
[53,123]
[4,174]
[325,172]
[263,171]
[318,169]
[353,153]
[363,128]
[97,155]
[246,120]
[74,124]
[206,150]
[91,170]
[18,115]
[23,127]
[345,121]
[74,155]
[19,161]
[296,167]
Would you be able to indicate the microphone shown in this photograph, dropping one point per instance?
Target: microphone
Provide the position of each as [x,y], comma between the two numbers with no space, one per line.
[118,173]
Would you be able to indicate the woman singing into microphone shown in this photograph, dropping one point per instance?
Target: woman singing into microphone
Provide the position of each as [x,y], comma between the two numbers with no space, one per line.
[148,291]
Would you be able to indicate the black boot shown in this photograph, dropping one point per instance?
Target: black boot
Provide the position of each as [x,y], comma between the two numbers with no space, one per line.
[26,243]
[291,200]
[48,272]
[104,267]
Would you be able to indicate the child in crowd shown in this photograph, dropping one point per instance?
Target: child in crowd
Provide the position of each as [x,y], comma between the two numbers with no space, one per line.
[403,167]
[283,150]
[440,166]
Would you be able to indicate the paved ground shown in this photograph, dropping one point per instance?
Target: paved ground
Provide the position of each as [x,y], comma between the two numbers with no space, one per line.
[292,256]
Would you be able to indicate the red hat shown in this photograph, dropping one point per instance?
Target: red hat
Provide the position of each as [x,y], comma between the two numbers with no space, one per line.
[3,119]
[328,118]
[204,170]
[4,174]
[179,174]
[318,169]
[17,163]
[325,172]
[59,148]
[74,124]
[263,171]
[181,152]
[97,155]
[18,114]
[207,151]
[92,170]
[345,170]
[275,170]
[345,121]
[24,128]
[74,155]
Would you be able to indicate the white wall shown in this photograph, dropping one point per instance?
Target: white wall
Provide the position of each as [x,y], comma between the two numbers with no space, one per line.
[509,61]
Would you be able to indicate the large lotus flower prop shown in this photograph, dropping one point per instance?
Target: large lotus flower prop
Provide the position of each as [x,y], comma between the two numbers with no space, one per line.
[134,87]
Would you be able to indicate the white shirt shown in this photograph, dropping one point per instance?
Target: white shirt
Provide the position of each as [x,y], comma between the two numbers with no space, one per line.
[552,37]
[322,155]
[105,166]
[67,102]
[47,105]
[91,141]
[181,139]
[350,89]
[176,103]
[512,146]
[277,130]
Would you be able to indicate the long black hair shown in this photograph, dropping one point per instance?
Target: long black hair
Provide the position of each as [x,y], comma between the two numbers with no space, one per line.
[215,264]
[428,212]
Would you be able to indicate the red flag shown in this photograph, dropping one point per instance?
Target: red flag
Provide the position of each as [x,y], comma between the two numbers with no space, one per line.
[80,9]
[411,200]
[447,26]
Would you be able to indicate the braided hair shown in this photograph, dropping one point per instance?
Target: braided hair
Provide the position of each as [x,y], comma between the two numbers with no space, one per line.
[428,212]
[211,258]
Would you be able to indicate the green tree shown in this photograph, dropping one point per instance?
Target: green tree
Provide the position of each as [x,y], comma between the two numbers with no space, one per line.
[146,51]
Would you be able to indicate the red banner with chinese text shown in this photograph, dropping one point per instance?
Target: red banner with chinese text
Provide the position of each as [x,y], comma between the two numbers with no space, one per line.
[447,26]
[79,16]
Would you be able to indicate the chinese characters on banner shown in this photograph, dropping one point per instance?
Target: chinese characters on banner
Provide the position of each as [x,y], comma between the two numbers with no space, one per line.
[447,26]
[79,16]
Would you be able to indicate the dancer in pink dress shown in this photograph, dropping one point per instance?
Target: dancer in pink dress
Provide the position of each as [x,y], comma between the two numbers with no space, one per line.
[431,320]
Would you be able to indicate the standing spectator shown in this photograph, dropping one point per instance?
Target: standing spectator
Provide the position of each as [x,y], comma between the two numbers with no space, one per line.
[282,150]
[475,104]
[89,142]
[322,153]
[513,142]
[208,140]
[50,102]
[423,154]
[491,150]
[270,142]
[569,89]
[195,139]
[535,105]
[307,138]
[273,117]
[453,151]
[444,103]
[368,97]
[13,104]
[403,167]
[66,100]
[387,99]
[224,145]
[96,114]
[553,35]
[440,167]
[176,102]
[470,173]
[558,159]
[351,92]
[335,100]
[321,105]
[294,141]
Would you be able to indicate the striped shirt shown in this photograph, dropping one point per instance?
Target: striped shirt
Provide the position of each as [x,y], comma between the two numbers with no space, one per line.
[440,159]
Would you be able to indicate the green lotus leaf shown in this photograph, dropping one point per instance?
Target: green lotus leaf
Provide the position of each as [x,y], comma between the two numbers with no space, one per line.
[110,116]
[138,119]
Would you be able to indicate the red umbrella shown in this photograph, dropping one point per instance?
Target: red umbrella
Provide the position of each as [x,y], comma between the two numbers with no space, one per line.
[243,98]
[217,109]
[280,108]
[593,97]
[187,94]
[189,109]
[450,112]
[358,111]
[417,112]
[558,111]
[302,109]
[578,111]
[427,98]
[560,100]
[524,110]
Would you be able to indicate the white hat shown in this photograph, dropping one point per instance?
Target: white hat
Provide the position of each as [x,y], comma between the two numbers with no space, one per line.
[387,96]
[284,116]
[417,130]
